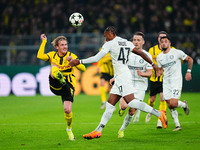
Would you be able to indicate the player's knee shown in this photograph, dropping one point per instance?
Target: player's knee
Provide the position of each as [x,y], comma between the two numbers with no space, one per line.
[123,107]
[67,110]
[152,99]
[131,111]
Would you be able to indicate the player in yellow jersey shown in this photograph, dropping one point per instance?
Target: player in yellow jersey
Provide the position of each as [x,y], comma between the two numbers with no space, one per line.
[156,82]
[106,70]
[61,79]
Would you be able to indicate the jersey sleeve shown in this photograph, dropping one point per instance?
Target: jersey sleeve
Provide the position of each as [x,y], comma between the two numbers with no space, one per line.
[95,58]
[181,54]
[131,45]
[41,55]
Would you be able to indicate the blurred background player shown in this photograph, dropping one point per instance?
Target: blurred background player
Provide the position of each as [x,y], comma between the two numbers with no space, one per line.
[140,70]
[169,62]
[105,68]
[61,79]
[156,82]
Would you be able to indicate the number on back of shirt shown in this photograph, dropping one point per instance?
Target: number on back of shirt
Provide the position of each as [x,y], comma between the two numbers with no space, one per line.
[123,54]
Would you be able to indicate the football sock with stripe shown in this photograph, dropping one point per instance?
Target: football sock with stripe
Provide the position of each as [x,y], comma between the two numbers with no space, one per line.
[68,118]
[127,121]
[106,116]
[174,115]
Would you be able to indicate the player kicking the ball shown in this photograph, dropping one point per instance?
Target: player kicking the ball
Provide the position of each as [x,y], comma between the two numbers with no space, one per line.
[119,50]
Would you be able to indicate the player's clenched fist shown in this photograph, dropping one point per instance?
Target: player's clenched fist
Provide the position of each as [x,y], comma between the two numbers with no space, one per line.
[74,62]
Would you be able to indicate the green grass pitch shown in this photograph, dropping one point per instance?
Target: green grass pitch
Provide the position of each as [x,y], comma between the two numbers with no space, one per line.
[38,123]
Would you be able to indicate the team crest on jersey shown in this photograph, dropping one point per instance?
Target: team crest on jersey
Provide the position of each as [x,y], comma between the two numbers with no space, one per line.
[141,61]
[171,56]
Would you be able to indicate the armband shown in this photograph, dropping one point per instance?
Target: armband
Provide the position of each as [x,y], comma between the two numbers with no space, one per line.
[189,70]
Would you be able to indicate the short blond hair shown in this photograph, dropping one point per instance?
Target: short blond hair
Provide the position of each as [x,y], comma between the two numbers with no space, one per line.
[56,40]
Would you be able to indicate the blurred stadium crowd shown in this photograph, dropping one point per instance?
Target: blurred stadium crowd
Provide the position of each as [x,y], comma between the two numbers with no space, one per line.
[32,17]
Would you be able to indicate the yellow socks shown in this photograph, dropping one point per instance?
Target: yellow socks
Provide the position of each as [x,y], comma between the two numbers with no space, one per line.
[163,105]
[103,94]
[151,104]
[68,118]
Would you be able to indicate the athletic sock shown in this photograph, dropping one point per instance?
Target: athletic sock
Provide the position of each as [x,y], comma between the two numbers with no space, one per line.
[174,115]
[137,104]
[137,114]
[68,118]
[127,121]
[163,105]
[151,103]
[106,116]
[181,104]
[103,94]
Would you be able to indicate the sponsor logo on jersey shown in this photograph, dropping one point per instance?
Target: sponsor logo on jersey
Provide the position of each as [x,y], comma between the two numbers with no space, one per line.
[135,68]
[169,64]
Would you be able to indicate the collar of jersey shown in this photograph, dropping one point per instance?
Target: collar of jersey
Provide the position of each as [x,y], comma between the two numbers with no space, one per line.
[63,55]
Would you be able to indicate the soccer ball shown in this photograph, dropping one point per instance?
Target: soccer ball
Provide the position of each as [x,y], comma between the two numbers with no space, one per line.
[76,19]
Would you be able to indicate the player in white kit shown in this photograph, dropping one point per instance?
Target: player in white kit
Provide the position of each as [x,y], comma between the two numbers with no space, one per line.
[169,61]
[140,70]
[119,50]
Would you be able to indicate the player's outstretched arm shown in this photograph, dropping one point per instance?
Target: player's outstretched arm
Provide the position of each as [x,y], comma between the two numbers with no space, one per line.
[145,57]
[41,55]
[89,60]
[188,75]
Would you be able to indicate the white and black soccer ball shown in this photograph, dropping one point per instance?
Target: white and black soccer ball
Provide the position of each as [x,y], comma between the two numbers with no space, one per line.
[76,19]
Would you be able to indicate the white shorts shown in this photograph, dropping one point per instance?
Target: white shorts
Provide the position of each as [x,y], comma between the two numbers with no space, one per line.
[139,94]
[171,92]
[122,86]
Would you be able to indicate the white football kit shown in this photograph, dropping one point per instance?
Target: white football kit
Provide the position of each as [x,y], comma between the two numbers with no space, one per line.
[119,50]
[140,84]
[172,77]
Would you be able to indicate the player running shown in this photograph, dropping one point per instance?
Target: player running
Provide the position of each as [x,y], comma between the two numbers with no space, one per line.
[169,62]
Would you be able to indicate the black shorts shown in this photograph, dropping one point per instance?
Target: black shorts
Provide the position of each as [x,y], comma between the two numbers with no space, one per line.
[155,87]
[106,76]
[66,91]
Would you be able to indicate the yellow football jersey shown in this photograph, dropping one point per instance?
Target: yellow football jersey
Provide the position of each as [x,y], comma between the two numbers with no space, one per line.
[106,65]
[155,51]
[60,62]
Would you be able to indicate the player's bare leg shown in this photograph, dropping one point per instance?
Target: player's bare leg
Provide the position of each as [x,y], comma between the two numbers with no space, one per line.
[123,106]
